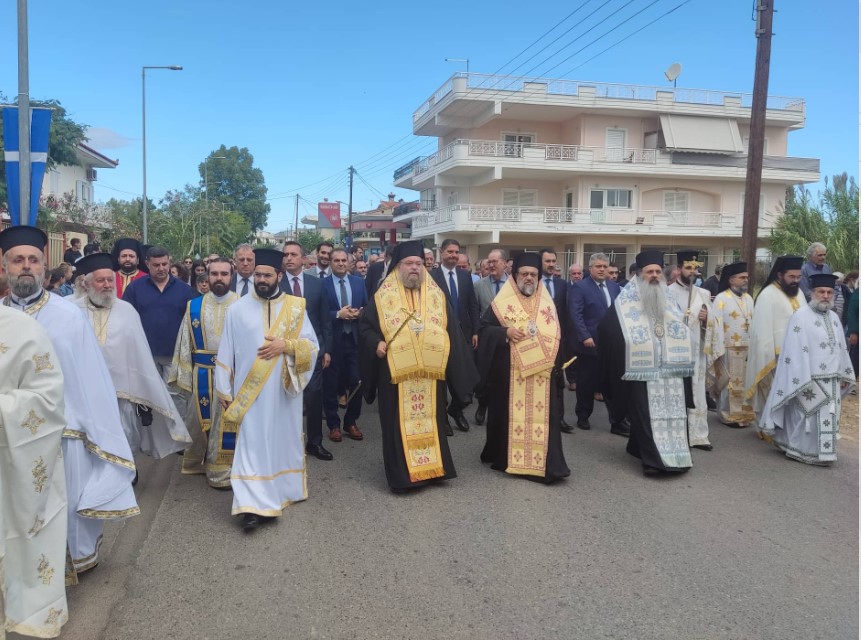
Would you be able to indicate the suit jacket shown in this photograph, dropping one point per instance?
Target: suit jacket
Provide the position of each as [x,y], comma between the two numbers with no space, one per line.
[317,308]
[234,279]
[315,272]
[374,277]
[467,310]
[586,308]
[485,292]
[359,299]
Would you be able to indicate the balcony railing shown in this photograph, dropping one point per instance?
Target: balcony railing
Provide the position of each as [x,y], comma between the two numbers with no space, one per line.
[575,217]
[529,151]
[490,86]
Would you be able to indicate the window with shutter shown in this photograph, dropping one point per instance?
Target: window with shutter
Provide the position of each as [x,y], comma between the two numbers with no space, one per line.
[519,197]
[614,144]
[676,201]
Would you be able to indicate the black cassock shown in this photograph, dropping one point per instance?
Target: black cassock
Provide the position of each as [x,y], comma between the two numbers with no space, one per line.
[461,378]
[494,367]
[631,394]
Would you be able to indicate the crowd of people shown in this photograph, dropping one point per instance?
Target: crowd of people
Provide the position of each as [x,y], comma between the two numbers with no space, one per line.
[237,363]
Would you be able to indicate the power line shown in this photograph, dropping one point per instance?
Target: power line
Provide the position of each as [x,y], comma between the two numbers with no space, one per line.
[374,189]
[627,37]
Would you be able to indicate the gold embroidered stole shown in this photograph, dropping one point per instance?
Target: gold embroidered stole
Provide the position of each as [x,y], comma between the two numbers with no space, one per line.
[287,326]
[532,361]
[416,332]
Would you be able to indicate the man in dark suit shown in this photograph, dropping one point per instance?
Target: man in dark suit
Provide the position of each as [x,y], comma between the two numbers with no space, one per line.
[296,283]
[558,290]
[459,291]
[588,302]
[324,256]
[346,297]
[377,272]
[242,281]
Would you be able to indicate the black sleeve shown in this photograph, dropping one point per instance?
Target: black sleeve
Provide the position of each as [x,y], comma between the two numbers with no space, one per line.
[491,337]
[473,310]
[370,335]
[460,372]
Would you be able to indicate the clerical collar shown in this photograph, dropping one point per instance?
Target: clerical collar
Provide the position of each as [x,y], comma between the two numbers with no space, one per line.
[29,301]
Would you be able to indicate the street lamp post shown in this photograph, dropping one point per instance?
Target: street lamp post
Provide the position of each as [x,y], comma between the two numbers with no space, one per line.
[172,67]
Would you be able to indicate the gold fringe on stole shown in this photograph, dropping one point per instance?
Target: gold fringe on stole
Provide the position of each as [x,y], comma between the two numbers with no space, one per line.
[751,391]
[419,433]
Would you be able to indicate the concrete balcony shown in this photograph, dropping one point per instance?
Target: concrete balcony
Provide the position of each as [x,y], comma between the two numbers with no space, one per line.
[496,219]
[482,161]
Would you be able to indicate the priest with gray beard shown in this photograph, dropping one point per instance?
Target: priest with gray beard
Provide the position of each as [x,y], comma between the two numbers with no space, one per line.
[149,417]
[647,365]
[814,372]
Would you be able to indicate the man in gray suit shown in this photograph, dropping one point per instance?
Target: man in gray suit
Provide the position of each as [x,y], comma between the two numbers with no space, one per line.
[297,282]
[485,291]
[242,281]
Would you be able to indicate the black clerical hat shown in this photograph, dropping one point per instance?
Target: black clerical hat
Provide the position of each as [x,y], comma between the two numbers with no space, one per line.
[688,256]
[728,272]
[127,243]
[822,280]
[526,259]
[646,258]
[783,263]
[268,258]
[409,249]
[21,235]
[94,262]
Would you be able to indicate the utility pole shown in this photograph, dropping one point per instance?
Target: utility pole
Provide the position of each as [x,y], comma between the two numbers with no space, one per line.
[350,211]
[753,182]
[296,218]
[23,113]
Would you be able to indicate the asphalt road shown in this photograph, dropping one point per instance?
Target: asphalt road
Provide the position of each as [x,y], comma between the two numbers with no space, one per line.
[748,544]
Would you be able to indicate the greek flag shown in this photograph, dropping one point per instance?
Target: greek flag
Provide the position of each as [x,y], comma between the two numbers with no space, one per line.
[40,127]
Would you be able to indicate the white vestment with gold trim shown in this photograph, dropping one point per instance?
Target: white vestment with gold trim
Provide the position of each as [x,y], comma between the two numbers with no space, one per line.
[269,462]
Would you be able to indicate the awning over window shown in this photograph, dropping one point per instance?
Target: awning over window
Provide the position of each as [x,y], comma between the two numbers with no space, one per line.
[700,134]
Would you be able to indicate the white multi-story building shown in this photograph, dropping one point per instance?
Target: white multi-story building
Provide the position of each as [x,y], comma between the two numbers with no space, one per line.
[584,167]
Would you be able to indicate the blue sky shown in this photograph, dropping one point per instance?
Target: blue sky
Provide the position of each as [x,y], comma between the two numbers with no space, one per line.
[312,89]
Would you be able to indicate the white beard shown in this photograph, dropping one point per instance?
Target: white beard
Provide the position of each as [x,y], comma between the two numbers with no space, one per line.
[821,306]
[654,298]
[105,299]
[526,289]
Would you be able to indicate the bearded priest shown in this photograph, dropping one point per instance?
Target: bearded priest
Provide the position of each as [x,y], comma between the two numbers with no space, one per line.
[518,359]
[265,360]
[780,297]
[813,373]
[127,256]
[411,348]
[98,461]
[159,430]
[648,361]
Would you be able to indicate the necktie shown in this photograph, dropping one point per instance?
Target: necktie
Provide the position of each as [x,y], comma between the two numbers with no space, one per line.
[549,283]
[497,283]
[344,302]
[606,294]
[452,287]
[244,287]
[322,273]
[297,290]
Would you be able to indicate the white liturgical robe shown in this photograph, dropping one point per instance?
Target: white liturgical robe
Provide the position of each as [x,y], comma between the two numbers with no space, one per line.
[32,483]
[125,349]
[98,461]
[268,470]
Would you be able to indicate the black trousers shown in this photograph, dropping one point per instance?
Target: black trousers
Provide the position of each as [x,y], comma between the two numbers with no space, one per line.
[588,377]
[313,397]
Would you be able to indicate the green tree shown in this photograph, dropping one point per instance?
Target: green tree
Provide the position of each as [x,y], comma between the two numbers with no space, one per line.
[309,239]
[833,221]
[65,136]
[233,179]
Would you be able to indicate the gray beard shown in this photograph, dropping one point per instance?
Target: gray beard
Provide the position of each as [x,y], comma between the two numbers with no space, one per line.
[105,300]
[739,291]
[654,298]
[526,289]
[23,288]
[821,306]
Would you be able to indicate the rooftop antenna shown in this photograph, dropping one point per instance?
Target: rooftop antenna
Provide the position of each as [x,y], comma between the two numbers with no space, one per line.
[673,73]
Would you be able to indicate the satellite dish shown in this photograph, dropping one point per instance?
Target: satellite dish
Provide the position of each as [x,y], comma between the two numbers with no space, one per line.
[673,72]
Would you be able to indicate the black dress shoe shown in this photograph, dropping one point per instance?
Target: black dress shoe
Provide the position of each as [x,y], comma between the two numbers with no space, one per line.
[448,430]
[135,481]
[651,472]
[620,429]
[480,415]
[704,447]
[564,427]
[583,423]
[460,421]
[319,452]
[250,521]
